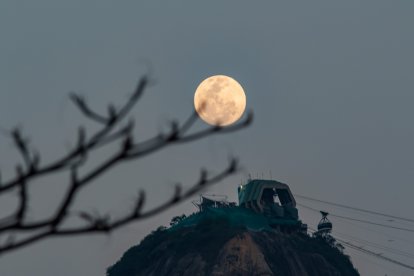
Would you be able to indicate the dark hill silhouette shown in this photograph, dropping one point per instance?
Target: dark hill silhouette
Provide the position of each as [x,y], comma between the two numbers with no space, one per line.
[232,241]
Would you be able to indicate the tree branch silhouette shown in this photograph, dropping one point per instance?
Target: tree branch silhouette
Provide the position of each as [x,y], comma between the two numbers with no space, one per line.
[111,132]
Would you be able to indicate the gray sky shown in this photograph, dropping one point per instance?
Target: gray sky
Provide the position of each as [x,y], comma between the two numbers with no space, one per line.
[330,82]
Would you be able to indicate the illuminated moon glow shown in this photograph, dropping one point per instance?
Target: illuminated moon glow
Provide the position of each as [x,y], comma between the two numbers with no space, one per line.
[219,100]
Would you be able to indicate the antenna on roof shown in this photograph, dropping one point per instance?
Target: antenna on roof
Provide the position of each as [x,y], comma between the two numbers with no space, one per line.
[270,172]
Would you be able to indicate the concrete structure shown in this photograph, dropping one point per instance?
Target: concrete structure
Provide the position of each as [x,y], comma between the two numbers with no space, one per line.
[269,197]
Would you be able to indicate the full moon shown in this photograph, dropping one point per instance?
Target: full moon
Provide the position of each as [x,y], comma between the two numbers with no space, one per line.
[219,100]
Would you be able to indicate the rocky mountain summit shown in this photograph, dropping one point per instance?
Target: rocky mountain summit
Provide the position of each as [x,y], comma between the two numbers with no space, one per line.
[231,241]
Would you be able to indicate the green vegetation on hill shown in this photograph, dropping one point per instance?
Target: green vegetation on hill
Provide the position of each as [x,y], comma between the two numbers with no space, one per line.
[234,216]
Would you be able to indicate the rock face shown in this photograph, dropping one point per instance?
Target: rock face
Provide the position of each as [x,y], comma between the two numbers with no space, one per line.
[241,255]
[216,246]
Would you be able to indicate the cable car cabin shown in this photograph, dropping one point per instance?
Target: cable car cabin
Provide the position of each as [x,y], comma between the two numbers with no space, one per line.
[324,226]
[269,197]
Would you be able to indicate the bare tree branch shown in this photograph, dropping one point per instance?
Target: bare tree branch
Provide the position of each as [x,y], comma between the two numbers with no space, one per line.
[64,163]
[128,150]
[105,225]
